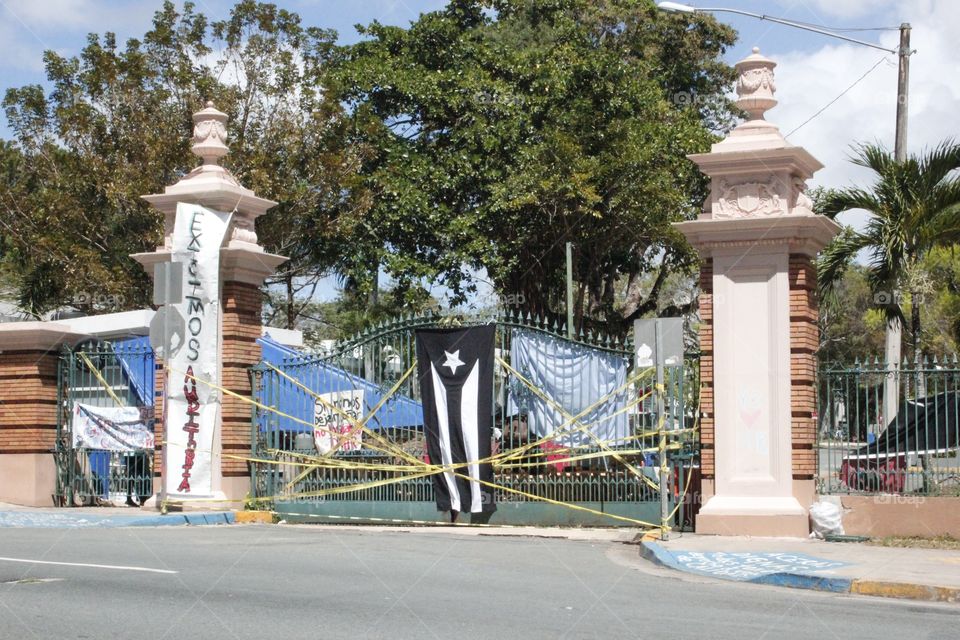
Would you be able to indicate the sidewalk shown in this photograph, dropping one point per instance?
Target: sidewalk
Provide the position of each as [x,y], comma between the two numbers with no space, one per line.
[920,574]
[83,517]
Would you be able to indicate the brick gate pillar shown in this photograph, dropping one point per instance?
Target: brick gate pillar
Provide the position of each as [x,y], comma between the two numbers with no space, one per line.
[241,325]
[29,354]
[244,265]
[758,238]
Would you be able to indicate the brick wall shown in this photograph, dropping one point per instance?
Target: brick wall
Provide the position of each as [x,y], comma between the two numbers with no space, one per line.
[242,305]
[706,370]
[28,401]
[804,340]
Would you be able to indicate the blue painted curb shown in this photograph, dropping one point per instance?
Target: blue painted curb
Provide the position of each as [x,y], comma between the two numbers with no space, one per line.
[805,581]
[66,520]
[661,556]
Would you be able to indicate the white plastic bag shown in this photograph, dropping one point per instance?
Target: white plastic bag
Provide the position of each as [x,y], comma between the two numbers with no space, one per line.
[826,518]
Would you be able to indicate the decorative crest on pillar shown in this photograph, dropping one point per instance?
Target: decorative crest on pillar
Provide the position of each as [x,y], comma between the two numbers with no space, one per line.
[755,84]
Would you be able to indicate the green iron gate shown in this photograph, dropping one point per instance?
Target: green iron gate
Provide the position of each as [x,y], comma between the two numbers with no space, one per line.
[588,485]
[103,467]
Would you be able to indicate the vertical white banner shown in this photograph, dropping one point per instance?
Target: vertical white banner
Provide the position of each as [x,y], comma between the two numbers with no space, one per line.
[193,404]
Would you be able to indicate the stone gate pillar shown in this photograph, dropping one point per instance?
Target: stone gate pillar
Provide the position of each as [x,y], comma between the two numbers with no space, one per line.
[758,239]
[243,267]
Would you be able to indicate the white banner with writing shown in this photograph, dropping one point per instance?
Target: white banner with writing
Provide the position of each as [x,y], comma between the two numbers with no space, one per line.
[111,428]
[330,425]
[193,405]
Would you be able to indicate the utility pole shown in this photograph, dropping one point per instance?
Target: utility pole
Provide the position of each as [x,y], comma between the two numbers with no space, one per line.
[903,87]
[894,335]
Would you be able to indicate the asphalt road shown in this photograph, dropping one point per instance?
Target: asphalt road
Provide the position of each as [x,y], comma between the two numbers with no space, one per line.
[271,582]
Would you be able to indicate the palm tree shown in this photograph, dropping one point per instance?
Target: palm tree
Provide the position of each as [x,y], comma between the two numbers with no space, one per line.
[914,206]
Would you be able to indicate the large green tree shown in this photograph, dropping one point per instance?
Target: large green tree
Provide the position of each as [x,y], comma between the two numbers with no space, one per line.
[349,314]
[914,206]
[851,325]
[940,310]
[115,125]
[504,129]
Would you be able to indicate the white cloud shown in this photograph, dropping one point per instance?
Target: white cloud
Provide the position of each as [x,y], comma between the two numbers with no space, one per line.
[806,81]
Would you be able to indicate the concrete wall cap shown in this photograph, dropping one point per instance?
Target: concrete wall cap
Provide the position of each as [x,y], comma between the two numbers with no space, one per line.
[37,335]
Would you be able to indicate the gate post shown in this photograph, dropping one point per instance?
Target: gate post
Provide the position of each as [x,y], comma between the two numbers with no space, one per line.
[758,238]
[29,354]
[244,265]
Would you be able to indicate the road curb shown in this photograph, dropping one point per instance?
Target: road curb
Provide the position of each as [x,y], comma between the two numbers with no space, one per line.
[253,517]
[905,590]
[66,520]
[197,518]
[656,553]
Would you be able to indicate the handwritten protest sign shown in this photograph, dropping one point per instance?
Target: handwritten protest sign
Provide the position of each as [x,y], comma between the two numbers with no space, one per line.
[330,426]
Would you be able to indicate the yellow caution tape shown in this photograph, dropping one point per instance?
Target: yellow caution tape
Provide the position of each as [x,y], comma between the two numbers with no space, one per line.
[103,382]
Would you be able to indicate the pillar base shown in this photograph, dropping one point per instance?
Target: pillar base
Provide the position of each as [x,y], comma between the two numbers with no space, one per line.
[218,501]
[27,479]
[753,516]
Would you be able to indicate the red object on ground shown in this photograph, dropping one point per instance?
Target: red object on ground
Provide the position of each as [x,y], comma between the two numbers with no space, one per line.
[887,474]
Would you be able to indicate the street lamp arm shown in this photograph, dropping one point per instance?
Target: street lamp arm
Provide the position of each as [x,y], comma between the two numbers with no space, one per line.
[798,25]
[676,7]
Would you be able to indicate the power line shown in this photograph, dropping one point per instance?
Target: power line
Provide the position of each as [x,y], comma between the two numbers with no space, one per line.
[842,93]
[823,26]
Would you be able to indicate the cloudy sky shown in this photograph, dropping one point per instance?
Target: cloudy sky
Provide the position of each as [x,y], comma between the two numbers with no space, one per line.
[812,71]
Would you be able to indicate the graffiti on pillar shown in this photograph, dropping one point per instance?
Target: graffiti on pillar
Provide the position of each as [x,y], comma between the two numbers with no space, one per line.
[193,403]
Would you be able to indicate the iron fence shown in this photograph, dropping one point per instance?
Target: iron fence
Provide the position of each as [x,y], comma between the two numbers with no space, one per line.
[916,451]
[375,362]
[97,377]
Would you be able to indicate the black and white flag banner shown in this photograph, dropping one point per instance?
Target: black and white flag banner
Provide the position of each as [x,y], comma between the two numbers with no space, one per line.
[455,368]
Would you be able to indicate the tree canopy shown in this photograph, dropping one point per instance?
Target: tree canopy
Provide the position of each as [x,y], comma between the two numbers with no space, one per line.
[114,127]
[480,139]
[505,129]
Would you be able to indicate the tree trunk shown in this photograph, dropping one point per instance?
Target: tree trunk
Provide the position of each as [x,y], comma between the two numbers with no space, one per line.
[915,328]
[291,307]
[915,347]
[374,297]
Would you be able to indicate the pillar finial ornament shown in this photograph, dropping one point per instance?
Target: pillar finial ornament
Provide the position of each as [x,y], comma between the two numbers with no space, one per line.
[213,185]
[210,134]
[755,84]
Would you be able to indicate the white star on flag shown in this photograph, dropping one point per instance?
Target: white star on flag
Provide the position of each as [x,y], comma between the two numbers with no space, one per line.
[453,361]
